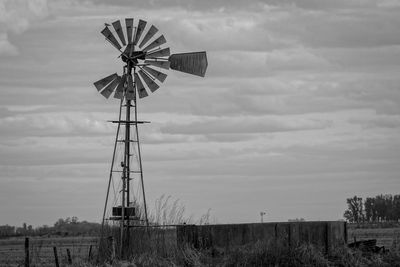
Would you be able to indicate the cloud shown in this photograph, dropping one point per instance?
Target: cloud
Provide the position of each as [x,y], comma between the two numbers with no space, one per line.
[222,32]
[373,60]
[323,4]
[192,5]
[379,121]
[6,49]
[55,124]
[16,17]
[241,125]
[55,150]
[247,64]
[4,112]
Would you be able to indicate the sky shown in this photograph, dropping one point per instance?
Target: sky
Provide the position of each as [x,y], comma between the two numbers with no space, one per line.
[299,109]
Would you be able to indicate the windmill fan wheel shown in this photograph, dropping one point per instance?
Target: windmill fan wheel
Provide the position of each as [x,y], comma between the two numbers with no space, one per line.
[141,50]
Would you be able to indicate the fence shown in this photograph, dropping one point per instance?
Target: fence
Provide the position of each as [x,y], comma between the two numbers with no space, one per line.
[64,250]
[46,251]
[324,234]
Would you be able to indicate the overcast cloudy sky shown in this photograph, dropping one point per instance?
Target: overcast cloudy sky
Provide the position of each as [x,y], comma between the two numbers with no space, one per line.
[300,107]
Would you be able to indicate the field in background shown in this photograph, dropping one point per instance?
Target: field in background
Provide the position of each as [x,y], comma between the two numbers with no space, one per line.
[384,236]
[12,250]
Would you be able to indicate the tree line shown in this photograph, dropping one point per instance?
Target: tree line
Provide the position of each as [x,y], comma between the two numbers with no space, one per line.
[382,208]
[66,227]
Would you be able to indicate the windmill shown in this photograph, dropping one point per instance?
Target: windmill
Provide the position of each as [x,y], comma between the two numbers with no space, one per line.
[145,60]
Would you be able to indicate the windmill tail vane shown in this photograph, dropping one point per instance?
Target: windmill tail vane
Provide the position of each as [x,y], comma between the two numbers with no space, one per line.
[141,47]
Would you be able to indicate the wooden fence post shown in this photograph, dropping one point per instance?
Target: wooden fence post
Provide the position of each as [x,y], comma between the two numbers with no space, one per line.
[56,256]
[328,238]
[90,252]
[69,256]
[26,251]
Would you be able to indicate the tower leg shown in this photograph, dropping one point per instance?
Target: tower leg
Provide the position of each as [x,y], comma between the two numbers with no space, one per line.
[109,180]
[141,169]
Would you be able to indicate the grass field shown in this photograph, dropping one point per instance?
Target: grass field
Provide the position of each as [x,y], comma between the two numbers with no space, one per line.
[384,236]
[41,250]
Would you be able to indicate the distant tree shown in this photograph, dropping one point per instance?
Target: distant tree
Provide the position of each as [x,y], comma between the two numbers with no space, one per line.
[7,230]
[354,213]
[381,208]
[348,215]
[396,207]
[370,211]
[43,230]
[74,219]
[69,226]
[72,226]
[29,230]
[59,223]
[389,208]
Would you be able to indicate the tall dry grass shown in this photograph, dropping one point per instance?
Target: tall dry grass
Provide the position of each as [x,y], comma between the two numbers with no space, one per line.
[157,240]
[265,254]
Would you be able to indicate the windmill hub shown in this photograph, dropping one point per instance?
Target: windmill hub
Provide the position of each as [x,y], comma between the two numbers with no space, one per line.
[133,57]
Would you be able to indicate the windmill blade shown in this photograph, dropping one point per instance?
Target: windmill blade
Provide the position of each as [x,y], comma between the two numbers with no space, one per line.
[130,90]
[193,63]
[119,92]
[157,42]
[129,29]
[110,37]
[110,88]
[139,30]
[118,29]
[156,74]
[139,87]
[150,83]
[150,33]
[100,84]
[160,53]
[162,64]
